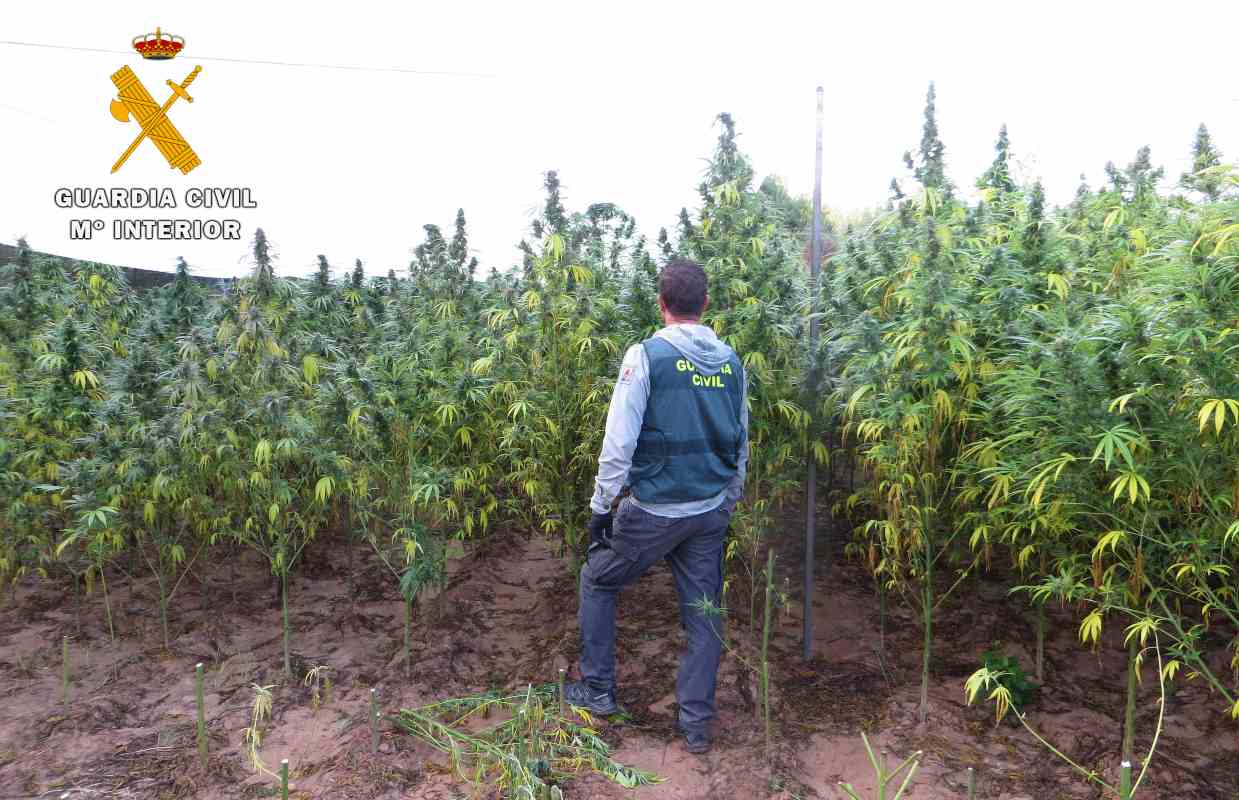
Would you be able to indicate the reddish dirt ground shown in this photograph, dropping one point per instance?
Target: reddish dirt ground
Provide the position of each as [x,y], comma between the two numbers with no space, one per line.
[507,618]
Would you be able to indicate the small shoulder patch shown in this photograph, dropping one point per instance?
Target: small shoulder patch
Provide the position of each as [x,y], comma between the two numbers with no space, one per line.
[626,375]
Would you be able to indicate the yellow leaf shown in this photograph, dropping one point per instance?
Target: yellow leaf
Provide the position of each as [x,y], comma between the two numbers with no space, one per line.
[1057,284]
[1090,628]
[262,452]
[1109,540]
[322,490]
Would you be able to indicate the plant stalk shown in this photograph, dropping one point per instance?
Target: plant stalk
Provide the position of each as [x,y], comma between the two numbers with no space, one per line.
[881,619]
[927,624]
[288,670]
[163,612]
[107,606]
[1040,665]
[1129,713]
[765,647]
[64,658]
[563,701]
[203,751]
[408,637]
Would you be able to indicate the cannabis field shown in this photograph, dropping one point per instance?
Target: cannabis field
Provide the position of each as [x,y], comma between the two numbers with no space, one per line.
[358,500]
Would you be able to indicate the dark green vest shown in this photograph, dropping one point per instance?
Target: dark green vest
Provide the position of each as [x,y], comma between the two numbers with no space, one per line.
[689,446]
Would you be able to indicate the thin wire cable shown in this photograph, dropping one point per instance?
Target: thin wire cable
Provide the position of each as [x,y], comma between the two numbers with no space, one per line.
[348,67]
[32,114]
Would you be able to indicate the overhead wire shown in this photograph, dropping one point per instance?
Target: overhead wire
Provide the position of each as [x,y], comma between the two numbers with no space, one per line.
[267,62]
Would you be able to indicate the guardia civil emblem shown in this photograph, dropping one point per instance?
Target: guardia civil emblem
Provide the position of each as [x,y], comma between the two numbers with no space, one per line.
[133,100]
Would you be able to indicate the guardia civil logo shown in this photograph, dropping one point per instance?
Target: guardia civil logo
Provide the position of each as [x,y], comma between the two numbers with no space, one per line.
[135,101]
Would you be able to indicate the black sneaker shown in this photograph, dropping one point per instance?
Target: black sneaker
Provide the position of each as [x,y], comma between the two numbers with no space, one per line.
[582,695]
[695,741]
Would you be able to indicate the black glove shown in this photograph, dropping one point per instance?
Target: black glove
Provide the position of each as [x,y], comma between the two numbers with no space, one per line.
[600,529]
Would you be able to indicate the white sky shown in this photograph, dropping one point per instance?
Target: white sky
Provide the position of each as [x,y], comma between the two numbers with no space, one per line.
[619,98]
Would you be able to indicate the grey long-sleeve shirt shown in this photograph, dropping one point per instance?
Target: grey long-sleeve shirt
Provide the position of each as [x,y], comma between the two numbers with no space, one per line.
[632,392]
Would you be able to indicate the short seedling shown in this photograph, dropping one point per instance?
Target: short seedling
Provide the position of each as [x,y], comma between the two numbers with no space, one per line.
[1011,675]
[991,681]
[319,681]
[251,737]
[883,777]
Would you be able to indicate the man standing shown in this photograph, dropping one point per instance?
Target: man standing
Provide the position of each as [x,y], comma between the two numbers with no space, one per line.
[677,434]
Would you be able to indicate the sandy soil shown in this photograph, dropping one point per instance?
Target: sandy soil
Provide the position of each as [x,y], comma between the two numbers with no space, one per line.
[507,618]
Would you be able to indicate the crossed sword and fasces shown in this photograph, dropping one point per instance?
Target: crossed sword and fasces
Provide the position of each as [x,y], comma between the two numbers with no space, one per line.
[135,99]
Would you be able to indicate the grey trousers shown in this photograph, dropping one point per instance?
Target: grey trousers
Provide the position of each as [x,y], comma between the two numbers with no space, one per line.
[693,546]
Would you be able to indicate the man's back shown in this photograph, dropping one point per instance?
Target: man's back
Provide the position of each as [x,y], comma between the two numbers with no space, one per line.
[677,436]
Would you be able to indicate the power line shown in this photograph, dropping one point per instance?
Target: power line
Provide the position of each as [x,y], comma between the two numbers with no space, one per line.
[29,113]
[347,67]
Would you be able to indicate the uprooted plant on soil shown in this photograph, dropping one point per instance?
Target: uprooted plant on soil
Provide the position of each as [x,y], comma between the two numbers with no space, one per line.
[533,750]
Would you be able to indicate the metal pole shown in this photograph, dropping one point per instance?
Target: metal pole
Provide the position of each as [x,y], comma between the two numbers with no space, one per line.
[815,266]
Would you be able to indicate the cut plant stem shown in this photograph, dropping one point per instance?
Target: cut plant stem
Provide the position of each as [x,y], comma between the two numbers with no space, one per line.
[203,752]
[374,720]
[1125,780]
[1129,713]
[284,779]
[563,701]
[972,784]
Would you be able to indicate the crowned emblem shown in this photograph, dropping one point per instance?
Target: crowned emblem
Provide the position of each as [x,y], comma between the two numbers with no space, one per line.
[158,46]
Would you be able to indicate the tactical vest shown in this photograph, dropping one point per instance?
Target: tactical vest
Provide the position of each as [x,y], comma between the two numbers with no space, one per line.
[689,445]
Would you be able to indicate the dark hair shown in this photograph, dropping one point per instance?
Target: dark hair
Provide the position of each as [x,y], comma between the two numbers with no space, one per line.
[682,287]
